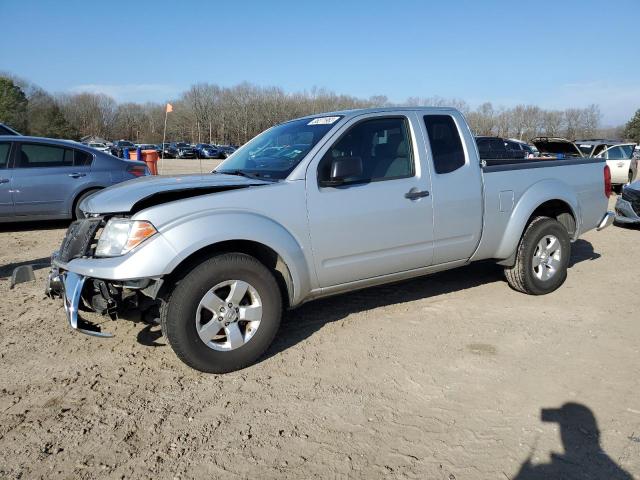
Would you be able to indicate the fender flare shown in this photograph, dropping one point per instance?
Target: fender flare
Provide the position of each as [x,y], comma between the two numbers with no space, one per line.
[537,194]
[190,234]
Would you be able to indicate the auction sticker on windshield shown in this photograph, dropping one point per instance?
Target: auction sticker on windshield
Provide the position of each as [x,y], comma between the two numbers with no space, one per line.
[323,121]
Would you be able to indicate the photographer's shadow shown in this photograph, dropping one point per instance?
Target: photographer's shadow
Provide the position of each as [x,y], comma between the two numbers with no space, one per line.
[583,457]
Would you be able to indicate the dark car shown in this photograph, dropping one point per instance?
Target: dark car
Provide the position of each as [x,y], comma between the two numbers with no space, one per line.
[184,150]
[150,146]
[44,178]
[119,146]
[206,150]
[496,148]
[628,205]
[517,145]
[6,130]
[168,151]
[227,150]
[556,147]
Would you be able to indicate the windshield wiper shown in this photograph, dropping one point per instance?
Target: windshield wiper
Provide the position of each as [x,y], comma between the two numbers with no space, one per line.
[242,173]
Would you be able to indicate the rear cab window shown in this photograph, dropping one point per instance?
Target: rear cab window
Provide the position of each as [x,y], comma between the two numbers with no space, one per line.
[445,142]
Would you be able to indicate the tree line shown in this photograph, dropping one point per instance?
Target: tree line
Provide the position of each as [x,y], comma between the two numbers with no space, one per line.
[209,113]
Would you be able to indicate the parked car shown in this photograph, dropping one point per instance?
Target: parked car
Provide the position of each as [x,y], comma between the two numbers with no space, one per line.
[556,147]
[6,130]
[227,150]
[206,150]
[168,151]
[150,146]
[349,200]
[43,178]
[619,157]
[496,148]
[101,147]
[119,146]
[628,204]
[184,150]
[515,144]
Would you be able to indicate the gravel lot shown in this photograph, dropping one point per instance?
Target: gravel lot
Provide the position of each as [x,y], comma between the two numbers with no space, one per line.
[443,377]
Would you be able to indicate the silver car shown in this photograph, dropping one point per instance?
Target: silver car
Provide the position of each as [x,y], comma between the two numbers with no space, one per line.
[43,178]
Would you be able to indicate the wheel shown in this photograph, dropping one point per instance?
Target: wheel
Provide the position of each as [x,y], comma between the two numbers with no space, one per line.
[542,258]
[630,176]
[223,314]
[77,213]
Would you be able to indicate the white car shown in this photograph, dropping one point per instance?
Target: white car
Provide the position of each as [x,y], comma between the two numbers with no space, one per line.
[623,165]
[102,147]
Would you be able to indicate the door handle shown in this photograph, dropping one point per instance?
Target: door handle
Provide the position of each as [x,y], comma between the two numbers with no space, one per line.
[415,194]
[77,175]
[4,180]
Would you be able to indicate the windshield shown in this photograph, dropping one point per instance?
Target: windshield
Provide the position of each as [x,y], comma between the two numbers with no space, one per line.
[277,151]
[586,149]
[181,144]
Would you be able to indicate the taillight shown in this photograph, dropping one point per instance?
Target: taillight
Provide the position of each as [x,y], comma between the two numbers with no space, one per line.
[138,170]
[607,181]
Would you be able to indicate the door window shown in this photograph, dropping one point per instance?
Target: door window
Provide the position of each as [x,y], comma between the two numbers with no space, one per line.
[615,153]
[383,145]
[34,156]
[446,146]
[82,159]
[627,151]
[4,154]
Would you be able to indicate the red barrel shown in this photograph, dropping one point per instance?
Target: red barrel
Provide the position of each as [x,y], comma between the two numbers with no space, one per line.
[150,157]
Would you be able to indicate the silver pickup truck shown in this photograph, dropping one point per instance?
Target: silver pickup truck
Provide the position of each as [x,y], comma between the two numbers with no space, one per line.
[314,207]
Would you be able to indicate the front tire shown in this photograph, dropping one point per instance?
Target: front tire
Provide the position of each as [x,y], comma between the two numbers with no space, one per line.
[77,213]
[542,258]
[224,314]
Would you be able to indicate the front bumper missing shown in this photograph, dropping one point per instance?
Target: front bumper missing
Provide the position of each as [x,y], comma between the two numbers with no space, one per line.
[69,286]
[625,212]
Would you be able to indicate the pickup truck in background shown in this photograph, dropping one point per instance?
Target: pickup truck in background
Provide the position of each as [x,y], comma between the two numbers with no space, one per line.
[319,206]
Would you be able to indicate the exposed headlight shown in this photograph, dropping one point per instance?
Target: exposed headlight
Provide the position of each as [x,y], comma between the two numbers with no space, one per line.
[122,235]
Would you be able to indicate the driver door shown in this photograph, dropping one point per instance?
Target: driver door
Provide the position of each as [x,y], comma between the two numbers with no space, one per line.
[381,221]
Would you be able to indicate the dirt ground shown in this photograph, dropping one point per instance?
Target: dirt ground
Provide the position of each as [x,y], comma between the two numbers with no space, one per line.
[444,377]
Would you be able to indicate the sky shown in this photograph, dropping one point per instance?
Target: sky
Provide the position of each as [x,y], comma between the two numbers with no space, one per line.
[555,54]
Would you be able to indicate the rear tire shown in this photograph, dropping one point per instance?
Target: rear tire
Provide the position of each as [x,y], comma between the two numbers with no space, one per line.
[186,315]
[542,258]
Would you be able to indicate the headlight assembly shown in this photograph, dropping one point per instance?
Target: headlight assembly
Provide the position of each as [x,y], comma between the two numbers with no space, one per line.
[121,235]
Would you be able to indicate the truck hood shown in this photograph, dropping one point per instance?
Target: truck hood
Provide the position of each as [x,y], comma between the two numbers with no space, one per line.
[554,146]
[135,195]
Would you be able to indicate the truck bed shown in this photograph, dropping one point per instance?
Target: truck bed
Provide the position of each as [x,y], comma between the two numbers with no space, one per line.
[508,184]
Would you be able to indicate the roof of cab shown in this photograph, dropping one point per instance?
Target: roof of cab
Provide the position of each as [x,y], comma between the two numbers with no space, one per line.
[363,111]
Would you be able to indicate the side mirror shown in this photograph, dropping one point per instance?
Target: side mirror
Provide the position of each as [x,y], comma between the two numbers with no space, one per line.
[341,169]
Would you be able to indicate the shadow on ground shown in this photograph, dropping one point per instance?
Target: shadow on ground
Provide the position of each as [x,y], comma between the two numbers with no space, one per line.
[583,457]
[303,322]
[34,225]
